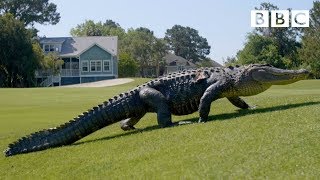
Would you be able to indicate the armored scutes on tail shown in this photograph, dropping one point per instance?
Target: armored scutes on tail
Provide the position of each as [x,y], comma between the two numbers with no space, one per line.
[178,93]
[81,126]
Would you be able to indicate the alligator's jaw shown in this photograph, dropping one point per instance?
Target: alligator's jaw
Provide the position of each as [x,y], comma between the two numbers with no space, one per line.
[275,76]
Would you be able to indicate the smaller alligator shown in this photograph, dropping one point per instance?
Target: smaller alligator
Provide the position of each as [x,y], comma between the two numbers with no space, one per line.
[178,93]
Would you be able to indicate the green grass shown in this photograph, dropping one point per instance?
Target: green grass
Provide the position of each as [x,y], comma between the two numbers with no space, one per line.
[279,139]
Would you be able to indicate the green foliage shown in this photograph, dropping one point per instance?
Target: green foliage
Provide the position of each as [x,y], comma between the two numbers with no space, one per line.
[31,11]
[260,49]
[277,140]
[187,43]
[310,51]
[18,62]
[90,28]
[159,50]
[144,47]
[275,46]
[128,67]
[52,62]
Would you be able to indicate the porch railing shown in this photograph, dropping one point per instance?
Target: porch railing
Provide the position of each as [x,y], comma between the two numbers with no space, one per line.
[62,73]
[69,72]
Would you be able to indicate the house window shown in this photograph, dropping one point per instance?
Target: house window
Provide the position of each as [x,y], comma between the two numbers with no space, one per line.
[49,48]
[85,66]
[106,66]
[95,66]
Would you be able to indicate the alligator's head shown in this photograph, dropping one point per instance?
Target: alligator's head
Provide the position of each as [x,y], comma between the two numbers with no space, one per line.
[267,74]
[258,78]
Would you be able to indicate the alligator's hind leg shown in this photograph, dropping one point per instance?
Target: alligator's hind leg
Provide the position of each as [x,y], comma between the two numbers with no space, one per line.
[156,102]
[128,124]
[238,102]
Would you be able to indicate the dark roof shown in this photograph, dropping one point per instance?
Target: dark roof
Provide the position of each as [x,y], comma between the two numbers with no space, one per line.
[74,46]
[58,40]
[174,60]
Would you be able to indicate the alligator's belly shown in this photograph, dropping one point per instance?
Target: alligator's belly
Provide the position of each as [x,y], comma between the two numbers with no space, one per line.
[184,108]
[184,99]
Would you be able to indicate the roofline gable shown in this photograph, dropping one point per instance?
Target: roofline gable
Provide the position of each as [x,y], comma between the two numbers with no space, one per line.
[96,44]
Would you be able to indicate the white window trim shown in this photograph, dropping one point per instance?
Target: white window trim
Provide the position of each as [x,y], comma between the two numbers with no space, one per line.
[110,66]
[88,66]
[51,46]
[96,65]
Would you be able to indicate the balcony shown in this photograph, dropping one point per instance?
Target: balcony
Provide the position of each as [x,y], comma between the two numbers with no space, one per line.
[62,73]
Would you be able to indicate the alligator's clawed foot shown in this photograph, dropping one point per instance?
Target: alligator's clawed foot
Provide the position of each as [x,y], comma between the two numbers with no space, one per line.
[184,122]
[202,120]
[253,107]
[127,128]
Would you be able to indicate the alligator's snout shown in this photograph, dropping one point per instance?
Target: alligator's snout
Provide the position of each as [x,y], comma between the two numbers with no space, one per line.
[309,75]
[275,76]
[303,74]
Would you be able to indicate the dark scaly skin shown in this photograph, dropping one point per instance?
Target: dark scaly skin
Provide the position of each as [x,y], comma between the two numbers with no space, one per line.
[178,93]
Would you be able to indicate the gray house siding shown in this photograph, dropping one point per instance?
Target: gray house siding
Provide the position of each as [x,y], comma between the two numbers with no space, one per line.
[96,53]
[70,80]
[115,66]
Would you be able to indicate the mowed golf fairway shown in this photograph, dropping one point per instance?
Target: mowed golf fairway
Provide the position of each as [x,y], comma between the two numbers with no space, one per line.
[278,139]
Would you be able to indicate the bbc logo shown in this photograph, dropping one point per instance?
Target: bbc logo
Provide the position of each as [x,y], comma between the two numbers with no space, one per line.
[280,18]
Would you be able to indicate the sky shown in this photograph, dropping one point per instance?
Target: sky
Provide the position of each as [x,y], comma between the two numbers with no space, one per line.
[224,24]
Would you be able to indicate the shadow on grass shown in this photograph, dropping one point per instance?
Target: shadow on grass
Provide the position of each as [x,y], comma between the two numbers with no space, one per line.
[219,117]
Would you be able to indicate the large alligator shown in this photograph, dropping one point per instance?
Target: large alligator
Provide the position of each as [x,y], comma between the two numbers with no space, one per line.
[178,93]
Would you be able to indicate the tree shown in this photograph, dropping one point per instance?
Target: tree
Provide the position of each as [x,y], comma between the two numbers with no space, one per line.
[31,11]
[52,62]
[276,46]
[260,49]
[17,59]
[310,51]
[139,44]
[128,67]
[187,43]
[159,50]
[112,28]
[145,48]
[90,28]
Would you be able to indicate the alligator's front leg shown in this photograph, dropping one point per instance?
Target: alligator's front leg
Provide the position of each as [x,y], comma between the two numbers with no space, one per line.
[211,94]
[156,102]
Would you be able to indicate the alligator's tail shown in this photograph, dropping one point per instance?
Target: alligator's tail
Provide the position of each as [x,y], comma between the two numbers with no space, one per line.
[111,111]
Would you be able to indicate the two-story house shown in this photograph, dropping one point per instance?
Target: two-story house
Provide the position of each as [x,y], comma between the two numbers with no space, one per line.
[86,59]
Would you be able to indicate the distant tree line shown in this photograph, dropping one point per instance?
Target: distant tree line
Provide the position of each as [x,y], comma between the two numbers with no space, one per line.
[289,48]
